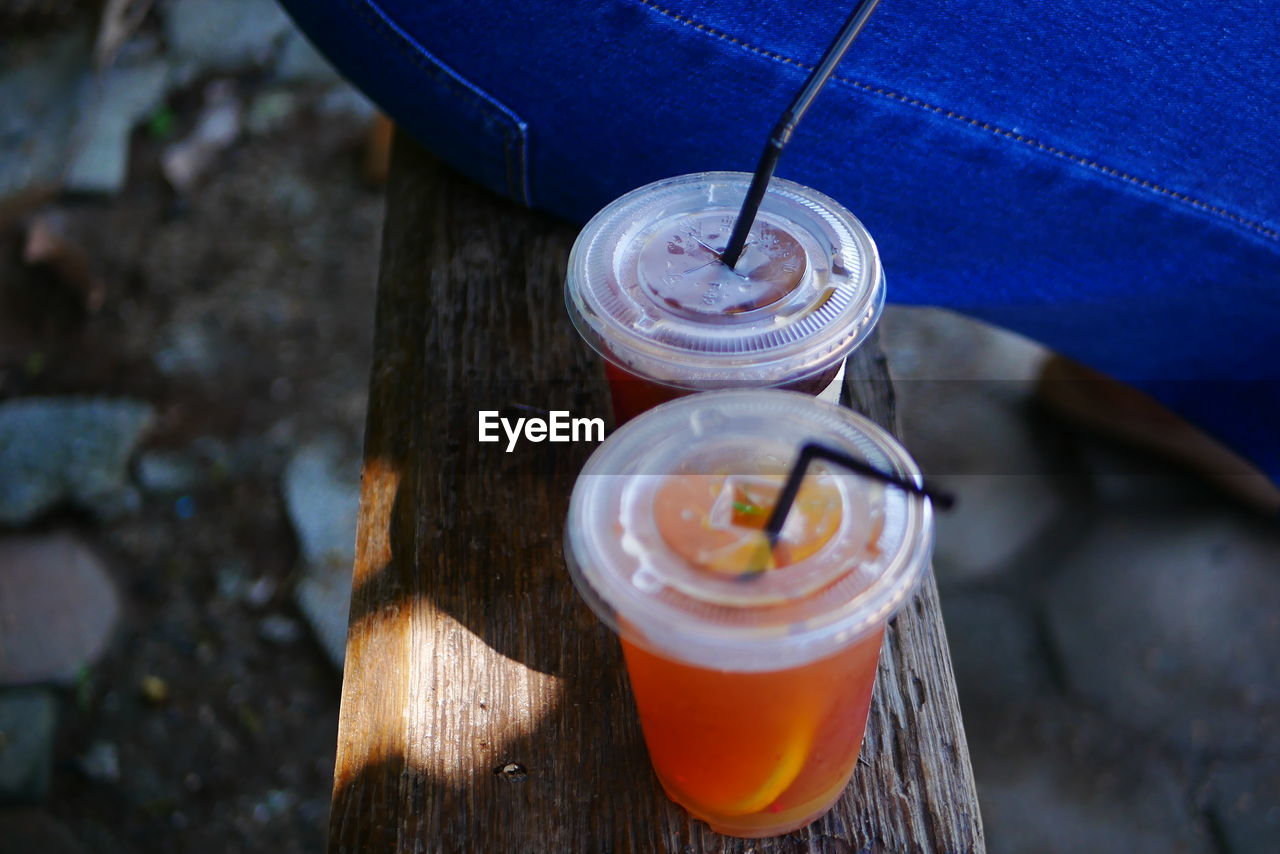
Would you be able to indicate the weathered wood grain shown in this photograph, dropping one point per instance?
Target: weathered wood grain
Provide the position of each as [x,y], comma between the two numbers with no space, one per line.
[483,706]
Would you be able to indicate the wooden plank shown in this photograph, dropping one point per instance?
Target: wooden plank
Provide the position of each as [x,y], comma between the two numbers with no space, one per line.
[484,708]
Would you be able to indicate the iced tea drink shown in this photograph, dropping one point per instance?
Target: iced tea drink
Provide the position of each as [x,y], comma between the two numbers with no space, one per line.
[645,288]
[752,666]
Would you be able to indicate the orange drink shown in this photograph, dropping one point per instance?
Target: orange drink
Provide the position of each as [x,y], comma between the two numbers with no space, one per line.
[647,291]
[752,664]
[754,753]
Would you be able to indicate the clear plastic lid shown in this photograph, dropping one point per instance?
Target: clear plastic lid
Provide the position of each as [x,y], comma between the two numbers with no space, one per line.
[645,288]
[664,532]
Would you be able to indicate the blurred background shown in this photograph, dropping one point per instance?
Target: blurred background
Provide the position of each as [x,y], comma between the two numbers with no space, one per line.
[190,203]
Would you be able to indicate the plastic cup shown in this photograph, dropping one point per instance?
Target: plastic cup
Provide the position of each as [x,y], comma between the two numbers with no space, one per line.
[752,669]
[645,289]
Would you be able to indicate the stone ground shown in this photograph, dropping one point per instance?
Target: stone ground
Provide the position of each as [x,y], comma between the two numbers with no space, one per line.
[1113,622]
[186,281]
[183,326]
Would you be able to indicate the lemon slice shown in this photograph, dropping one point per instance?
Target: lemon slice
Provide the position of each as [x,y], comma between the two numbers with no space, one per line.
[779,780]
[716,522]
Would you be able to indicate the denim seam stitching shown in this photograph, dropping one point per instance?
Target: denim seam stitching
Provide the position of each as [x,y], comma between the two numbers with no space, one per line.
[1077,159]
[514,129]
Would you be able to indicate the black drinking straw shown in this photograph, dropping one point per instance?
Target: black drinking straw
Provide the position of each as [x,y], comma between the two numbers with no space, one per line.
[787,124]
[813,451]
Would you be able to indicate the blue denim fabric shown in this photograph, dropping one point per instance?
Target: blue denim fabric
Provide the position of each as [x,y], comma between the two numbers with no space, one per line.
[1102,176]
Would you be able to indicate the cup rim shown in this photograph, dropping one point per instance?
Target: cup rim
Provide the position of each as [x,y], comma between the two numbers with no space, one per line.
[862,600]
[830,316]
